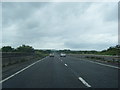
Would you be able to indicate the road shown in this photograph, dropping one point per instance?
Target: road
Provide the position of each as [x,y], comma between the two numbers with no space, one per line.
[63,72]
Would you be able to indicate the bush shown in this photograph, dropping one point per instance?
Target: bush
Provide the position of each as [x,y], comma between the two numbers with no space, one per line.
[7,49]
[24,48]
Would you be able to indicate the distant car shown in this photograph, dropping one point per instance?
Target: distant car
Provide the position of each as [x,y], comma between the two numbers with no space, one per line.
[51,55]
[62,55]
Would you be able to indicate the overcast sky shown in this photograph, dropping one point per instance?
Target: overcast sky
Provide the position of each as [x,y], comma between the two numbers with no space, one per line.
[77,26]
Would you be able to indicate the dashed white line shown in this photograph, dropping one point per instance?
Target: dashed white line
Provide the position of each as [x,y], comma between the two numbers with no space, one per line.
[20,71]
[84,82]
[60,59]
[81,79]
[65,64]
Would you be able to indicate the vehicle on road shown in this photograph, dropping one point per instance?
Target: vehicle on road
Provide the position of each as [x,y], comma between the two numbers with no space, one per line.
[62,55]
[51,54]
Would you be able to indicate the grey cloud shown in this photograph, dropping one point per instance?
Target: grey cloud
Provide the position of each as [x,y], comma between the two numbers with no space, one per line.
[87,46]
[0,25]
[14,12]
[60,25]
[111,13]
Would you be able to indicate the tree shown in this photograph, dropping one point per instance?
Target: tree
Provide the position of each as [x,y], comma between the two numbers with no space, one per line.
[115,50]
[25,48]
[7,49]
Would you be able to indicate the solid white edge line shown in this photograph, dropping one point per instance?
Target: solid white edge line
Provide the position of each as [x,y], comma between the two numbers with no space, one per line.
[21,70]
[84,82]
[65,64]
[105,64]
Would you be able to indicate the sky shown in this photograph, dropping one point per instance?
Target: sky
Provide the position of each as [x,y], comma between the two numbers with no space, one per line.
[60,25]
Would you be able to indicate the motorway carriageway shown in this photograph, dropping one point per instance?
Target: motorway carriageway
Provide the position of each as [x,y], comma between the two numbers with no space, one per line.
[64,72]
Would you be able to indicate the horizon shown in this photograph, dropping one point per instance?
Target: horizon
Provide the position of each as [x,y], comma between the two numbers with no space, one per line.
[59,49]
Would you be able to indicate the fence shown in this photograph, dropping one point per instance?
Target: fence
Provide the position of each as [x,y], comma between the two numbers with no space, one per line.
[12,58]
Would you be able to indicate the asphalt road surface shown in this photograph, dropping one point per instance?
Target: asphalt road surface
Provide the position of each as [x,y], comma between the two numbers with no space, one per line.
[63,72]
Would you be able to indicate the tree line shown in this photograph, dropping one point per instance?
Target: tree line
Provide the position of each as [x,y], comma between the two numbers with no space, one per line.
[23,48]
[114,50]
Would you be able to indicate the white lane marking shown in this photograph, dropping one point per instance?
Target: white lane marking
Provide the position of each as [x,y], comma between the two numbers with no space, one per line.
[60,59]
[21,70]
[65,64]
[84,82]
[105,65]
[81,79]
